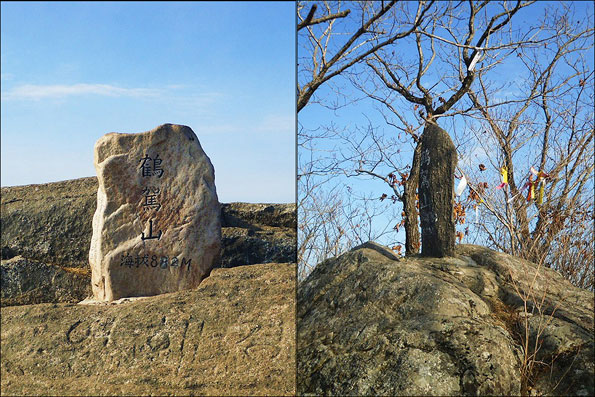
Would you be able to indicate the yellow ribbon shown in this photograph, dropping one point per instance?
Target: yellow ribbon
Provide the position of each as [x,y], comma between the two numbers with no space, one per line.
[541,191]
[504,173]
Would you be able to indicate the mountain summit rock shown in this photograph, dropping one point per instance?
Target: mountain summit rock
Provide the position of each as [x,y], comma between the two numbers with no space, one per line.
[438,162]
[372,325]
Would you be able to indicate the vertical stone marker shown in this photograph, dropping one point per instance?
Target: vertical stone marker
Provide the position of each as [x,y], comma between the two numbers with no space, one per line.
[436,192]
[157,227]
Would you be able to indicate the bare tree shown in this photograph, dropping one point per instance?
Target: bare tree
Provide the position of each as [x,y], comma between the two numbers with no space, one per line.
[329,54]
[332,40]
[545,215]
[456,53]
[332,218]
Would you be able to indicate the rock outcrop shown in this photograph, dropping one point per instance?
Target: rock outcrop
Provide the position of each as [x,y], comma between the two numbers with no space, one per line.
[233,335]
[372,325]
[50,224]
[25,282]
[258,233]
[157,227]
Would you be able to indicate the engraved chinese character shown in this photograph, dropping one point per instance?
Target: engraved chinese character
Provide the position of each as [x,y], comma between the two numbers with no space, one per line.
[140,260]
[127,260]
[157,167]
[151,166]
[146,168]
[151,198]
[151,236]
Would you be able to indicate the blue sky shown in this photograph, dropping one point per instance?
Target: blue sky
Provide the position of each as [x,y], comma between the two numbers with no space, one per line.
[72,72]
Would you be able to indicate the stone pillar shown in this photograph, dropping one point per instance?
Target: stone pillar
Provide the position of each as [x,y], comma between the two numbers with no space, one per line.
[157,227]
[436,192]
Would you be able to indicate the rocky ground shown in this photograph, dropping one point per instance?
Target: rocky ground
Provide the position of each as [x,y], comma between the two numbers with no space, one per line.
[50,223]
[372,324]
[49,227]
[369,323]
[234,335]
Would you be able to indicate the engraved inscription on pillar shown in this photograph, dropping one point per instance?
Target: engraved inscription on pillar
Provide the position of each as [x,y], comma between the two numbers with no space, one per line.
[150,168]
[427,216]
[157,226]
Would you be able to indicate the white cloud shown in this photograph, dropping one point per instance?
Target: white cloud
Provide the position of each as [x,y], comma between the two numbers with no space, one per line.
[37,92]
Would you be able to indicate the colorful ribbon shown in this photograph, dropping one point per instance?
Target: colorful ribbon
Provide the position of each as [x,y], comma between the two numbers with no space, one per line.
[504,175]
[540,183]
[541,191]
[531,193]
[532,185]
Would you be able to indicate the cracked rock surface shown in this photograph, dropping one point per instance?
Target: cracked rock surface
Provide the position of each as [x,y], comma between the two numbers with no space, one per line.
[233,335]
[372,325]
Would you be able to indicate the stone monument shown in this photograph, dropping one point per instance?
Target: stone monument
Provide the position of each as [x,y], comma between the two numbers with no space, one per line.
[157,227]
[436,192]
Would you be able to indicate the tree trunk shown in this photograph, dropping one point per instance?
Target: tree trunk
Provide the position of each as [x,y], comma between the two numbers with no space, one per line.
[412,242]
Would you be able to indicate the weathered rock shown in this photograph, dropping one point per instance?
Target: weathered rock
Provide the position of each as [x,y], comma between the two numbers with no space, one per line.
[46,215]
[248,246]
[436,192]
[258,233]
[233,335]
[157,226]
[36,229]
[372,325]
[26,282]
[255,216]
[50,222]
